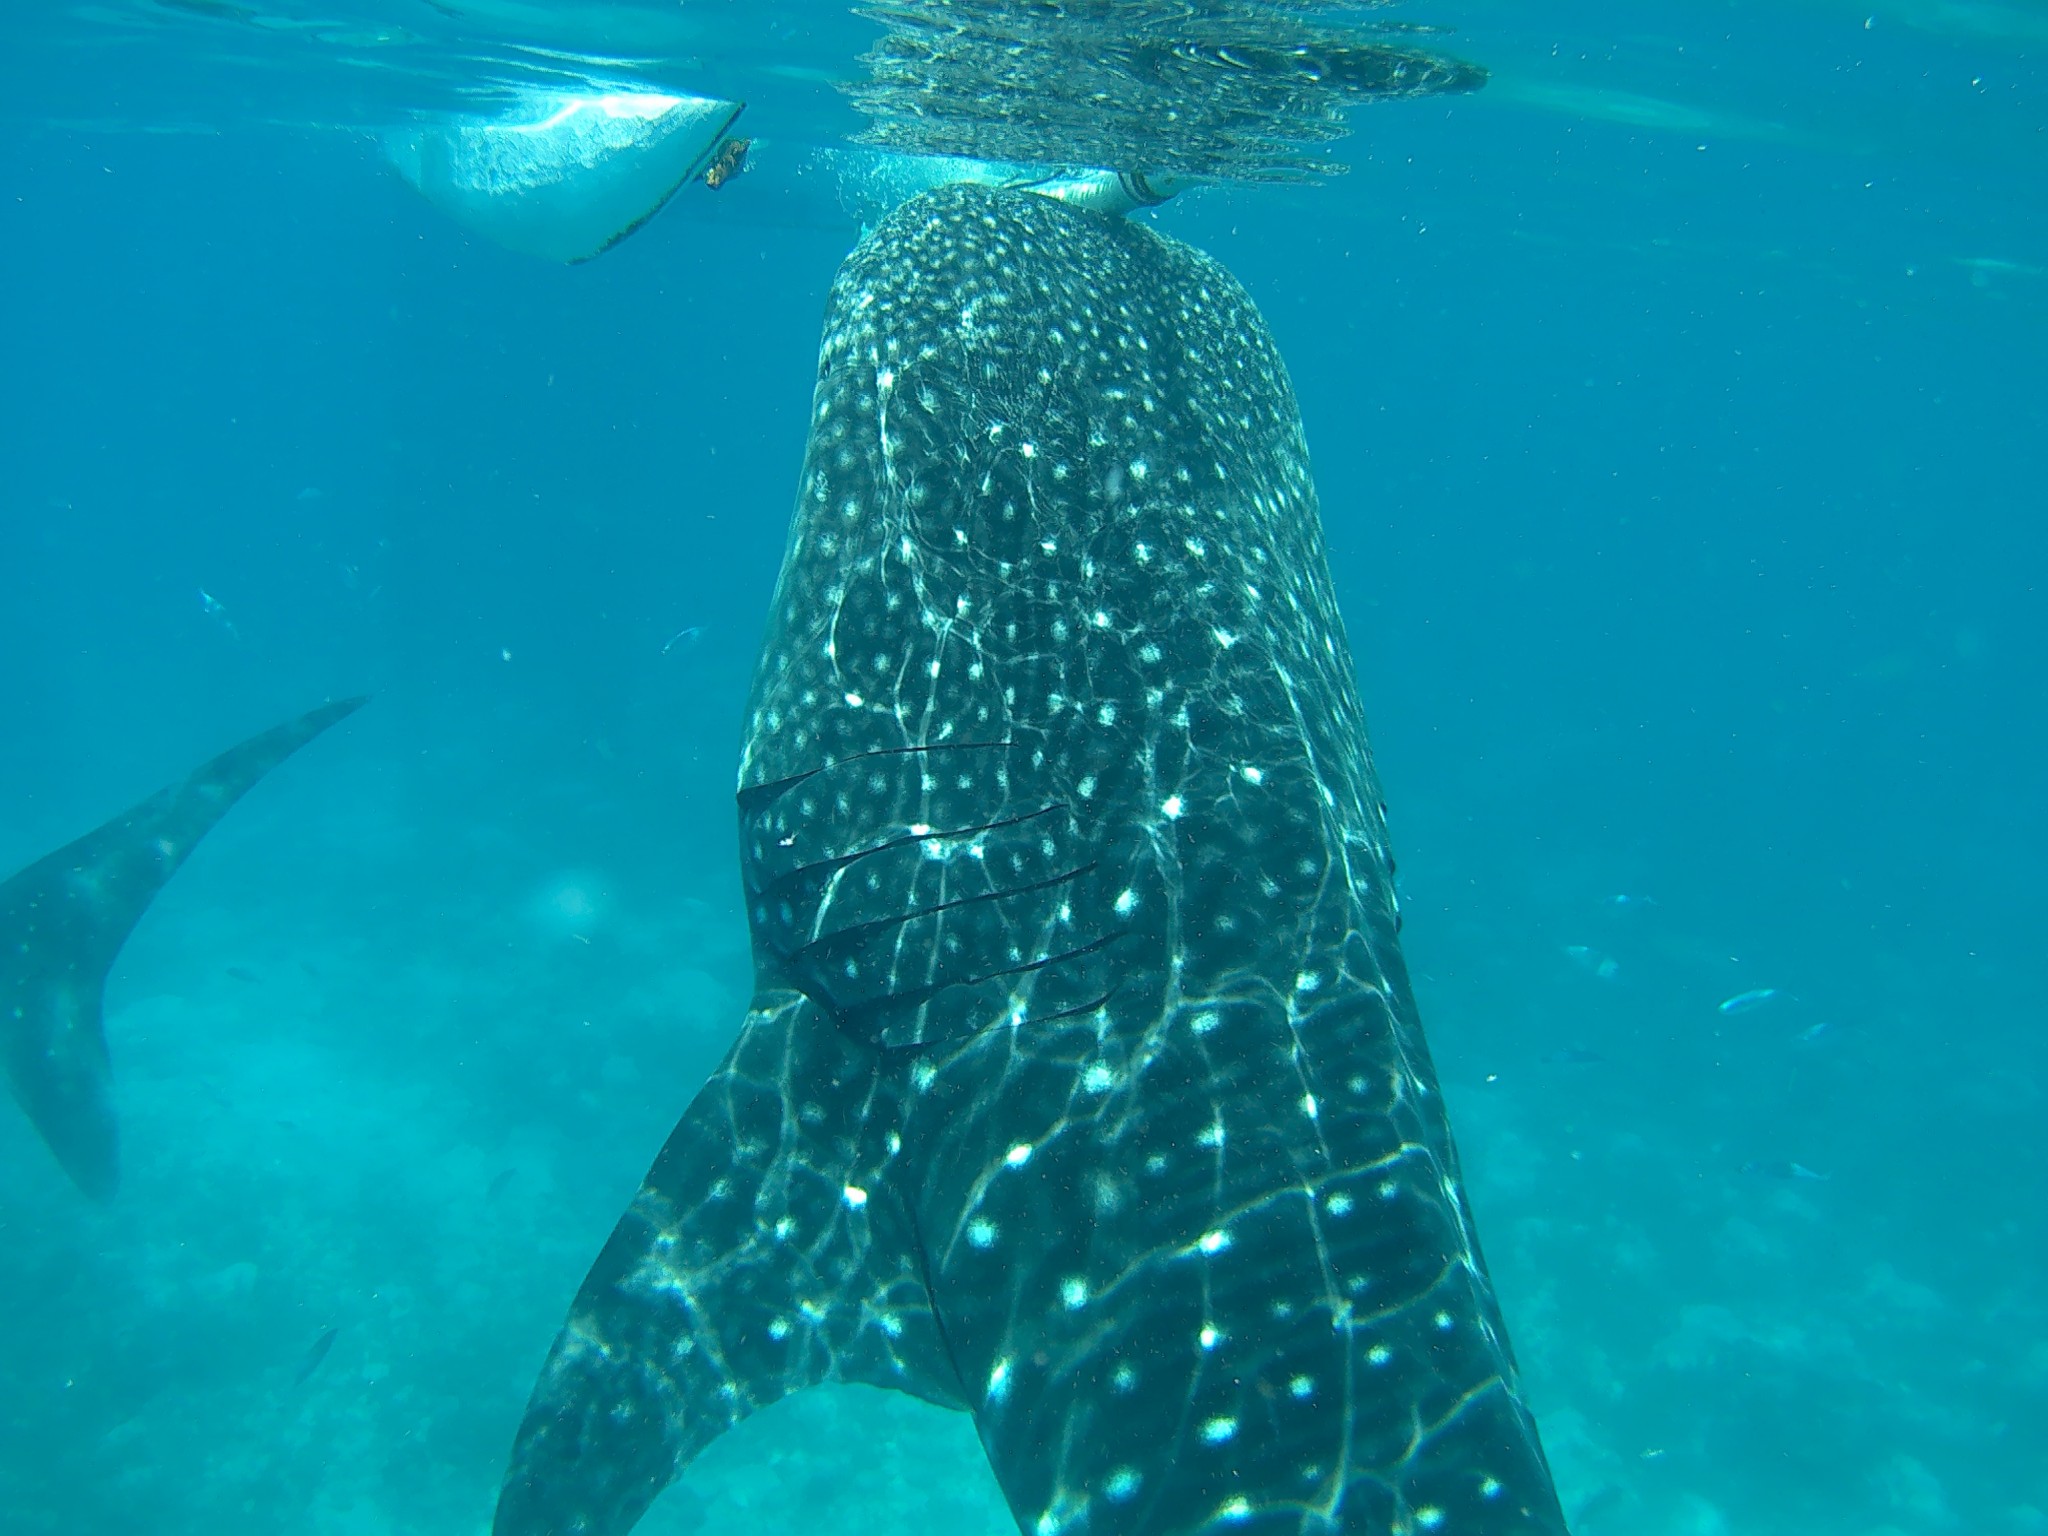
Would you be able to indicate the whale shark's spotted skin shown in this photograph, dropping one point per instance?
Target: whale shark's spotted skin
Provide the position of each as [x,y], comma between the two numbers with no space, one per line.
[1083,1087]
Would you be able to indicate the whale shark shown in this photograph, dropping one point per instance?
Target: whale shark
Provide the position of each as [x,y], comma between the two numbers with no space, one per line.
[1082,1088]
[64,918]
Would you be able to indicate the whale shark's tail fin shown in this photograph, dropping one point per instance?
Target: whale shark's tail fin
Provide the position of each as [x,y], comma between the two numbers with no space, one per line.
[767,1251]
[65,917]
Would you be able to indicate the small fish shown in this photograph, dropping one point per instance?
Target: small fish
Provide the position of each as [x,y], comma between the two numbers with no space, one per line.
[1748,1002]
[683,638]
[210,606]
[501,1182]
[1813,1032]
[1783,1170]
[1606,967]
[1984,270]
[243,973]
[1571,1056]
[314,1356]
[730,160]
[1628,903]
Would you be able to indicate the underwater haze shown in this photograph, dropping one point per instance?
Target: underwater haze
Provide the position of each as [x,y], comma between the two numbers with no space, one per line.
[1678,405]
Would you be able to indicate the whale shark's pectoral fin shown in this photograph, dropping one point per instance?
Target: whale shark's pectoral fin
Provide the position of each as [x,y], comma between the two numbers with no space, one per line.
[64,918]
[57,1062]
[765,1252]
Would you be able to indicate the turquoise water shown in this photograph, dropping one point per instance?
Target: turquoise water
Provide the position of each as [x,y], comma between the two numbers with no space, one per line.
[1679,417]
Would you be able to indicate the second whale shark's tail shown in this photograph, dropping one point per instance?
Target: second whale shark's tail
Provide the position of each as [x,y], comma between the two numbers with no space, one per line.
[65,917]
